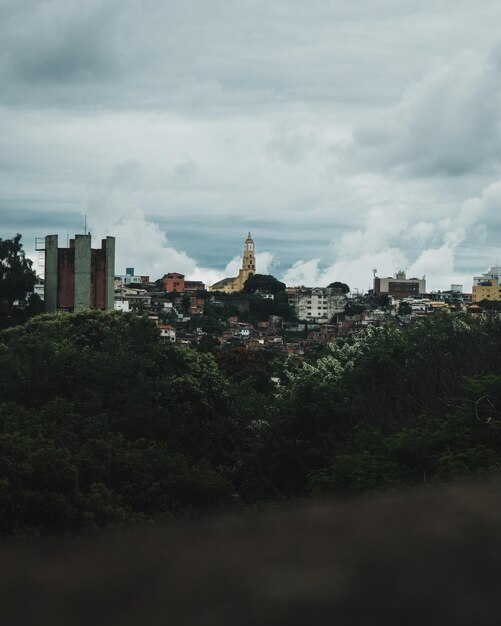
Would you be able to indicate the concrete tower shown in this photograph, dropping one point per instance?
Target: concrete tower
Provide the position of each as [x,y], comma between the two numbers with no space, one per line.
[79,277]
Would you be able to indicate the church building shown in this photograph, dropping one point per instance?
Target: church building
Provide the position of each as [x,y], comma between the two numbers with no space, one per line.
[233,285]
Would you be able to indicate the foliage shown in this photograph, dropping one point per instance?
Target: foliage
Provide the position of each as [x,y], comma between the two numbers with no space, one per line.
[240,365]
[341,288]
[263,282]
[102,424]
[17,278]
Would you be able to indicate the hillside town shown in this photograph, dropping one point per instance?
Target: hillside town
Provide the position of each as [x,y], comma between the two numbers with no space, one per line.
[251,311]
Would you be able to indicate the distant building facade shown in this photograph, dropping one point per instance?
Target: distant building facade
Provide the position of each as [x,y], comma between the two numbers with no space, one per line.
[173,282]
[130,279]
[79,277]
[315,304]
[487,286]
[399,286]
[190,286]
[167,333]
[235,284]
[487,290]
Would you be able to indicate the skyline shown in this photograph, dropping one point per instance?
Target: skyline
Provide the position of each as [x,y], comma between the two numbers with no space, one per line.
[346,138]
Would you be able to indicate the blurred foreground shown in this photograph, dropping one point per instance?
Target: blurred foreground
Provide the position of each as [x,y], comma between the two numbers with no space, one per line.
[429,556]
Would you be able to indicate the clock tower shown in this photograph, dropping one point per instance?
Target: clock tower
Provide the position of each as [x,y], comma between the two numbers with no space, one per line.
[249,260]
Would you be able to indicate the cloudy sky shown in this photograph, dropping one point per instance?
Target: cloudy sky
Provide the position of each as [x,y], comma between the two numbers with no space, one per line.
[347,135]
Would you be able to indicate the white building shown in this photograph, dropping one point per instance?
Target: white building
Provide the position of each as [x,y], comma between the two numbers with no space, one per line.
[315,304]
[167,333]
[121,304]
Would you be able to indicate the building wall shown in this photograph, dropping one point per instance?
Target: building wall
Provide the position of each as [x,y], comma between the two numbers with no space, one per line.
[51,274]
[109,298]
[98,279]
[82,273]
[65,279]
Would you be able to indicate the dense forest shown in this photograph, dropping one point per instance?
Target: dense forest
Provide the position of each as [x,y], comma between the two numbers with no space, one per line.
[102,424]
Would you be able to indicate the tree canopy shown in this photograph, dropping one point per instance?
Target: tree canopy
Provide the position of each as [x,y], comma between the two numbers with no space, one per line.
[17,276]
[103,424]
[342,288]
[263,282]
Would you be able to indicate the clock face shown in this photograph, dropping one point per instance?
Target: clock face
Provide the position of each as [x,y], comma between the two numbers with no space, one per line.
[250,246]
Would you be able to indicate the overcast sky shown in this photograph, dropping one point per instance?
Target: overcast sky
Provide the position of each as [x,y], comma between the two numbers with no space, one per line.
[346,135]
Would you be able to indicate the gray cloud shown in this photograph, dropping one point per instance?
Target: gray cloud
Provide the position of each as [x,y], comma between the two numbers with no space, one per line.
[51,50]
[447,123]
[189,123]
[211,55]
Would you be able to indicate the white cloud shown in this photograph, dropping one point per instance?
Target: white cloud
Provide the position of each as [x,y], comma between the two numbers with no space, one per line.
[379,247]
[302,273]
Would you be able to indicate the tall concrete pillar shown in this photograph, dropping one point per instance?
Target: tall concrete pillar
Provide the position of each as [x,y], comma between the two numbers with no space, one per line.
[110,273]
[50,284]
[82,272]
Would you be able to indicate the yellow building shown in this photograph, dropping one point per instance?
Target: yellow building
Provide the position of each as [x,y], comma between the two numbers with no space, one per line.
[487,290]
[235,284]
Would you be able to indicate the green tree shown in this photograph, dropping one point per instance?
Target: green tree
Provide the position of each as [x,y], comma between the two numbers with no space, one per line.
[263,282]
[342,288]
[17,276]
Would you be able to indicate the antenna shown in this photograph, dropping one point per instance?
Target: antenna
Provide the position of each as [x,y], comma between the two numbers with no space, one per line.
[85,223]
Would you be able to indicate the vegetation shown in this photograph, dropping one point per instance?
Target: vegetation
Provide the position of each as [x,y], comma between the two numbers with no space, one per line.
[17,279]
[263,282]
[102,424]
[342,288]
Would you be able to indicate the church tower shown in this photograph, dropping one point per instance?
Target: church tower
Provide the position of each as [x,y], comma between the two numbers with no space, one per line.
[236,284]
[249,260]
[248,264]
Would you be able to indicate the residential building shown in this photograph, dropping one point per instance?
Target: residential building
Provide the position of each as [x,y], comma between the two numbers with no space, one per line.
[130,279]
[487,290]
[315,304]
[173,282]
[190,286]
[196,306]
[167,333]
[487,286]
[132,300]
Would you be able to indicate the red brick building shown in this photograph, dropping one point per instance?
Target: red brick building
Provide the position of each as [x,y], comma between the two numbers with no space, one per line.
[173,282]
